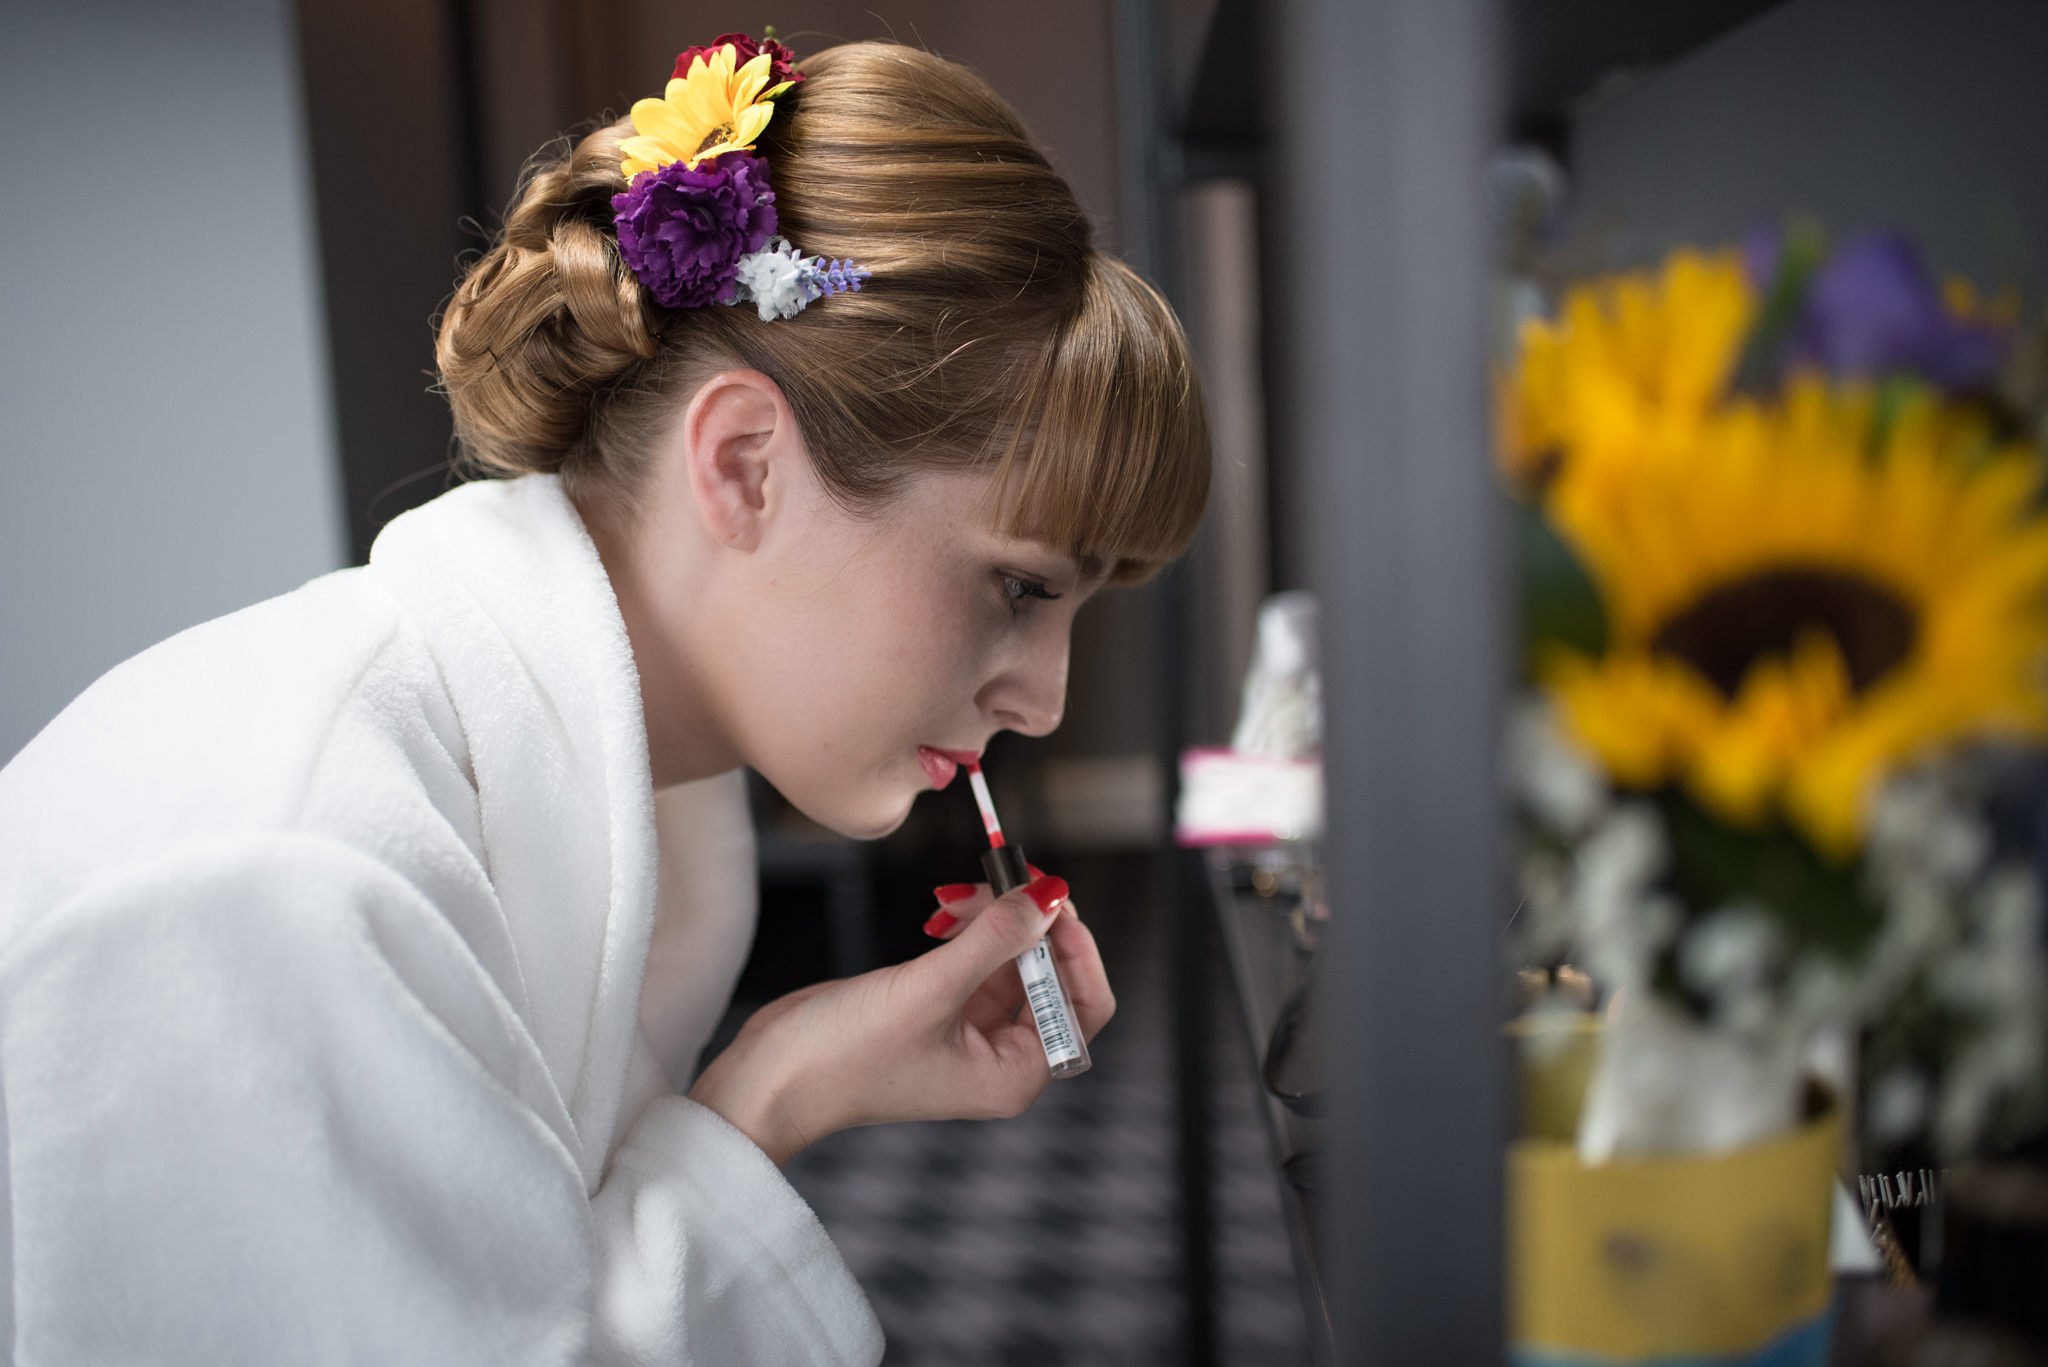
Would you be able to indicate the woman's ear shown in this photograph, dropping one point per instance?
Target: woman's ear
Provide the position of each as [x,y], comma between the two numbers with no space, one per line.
[733,433]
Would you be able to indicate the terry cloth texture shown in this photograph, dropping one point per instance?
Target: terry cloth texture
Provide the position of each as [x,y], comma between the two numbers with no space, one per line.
[323,929]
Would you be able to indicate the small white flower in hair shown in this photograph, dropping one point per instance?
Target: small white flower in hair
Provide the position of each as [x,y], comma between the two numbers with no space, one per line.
[774,279]
[780,280]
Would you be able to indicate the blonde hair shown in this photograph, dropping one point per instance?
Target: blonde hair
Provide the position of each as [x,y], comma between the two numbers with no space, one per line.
[991,333]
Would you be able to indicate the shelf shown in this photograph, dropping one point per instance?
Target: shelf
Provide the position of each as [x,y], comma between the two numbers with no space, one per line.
[1556,53]
[1559,52]
[1266,966]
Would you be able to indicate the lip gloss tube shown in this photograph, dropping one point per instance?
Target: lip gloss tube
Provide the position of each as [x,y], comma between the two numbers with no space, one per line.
[1066,1053]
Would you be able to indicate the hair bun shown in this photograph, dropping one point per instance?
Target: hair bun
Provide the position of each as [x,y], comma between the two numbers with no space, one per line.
[547,318]
[992,335]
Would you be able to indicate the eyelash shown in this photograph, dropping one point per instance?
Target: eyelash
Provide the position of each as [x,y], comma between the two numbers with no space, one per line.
[1016,589]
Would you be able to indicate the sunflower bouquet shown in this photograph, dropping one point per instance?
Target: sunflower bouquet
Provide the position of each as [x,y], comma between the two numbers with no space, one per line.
[1786,621]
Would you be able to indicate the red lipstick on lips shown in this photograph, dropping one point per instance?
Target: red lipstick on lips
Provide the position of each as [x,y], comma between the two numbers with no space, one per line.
[941,765]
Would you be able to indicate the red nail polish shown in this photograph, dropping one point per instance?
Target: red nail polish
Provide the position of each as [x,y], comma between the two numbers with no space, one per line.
[1047,892]
[940,923]
[1036,872]
[953,892]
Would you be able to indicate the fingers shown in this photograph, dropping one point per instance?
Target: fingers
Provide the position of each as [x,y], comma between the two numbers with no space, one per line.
[1001,995]
[1011,1088]
[959,903]
[998,933]
[1081,970]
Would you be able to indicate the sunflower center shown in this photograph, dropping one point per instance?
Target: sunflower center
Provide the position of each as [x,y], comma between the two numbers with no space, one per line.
[1732,627]
[722,133]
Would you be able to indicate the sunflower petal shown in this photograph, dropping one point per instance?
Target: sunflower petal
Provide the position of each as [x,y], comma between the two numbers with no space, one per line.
[750,124]
[659,120]
[716,149]
[702,106]
[750,79]
[652,150]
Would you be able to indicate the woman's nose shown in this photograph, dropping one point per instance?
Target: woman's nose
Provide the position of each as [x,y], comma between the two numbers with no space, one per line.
[1029,696]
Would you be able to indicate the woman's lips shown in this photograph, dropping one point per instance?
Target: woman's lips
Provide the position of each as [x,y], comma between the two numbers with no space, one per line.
[941,765]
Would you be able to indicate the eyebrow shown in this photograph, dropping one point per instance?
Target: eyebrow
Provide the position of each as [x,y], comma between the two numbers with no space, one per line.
[1090,566]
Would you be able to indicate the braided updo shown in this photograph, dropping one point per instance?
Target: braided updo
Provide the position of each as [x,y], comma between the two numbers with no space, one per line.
[991,332]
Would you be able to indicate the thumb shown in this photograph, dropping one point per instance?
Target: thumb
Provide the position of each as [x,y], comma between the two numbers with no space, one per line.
[1006,928]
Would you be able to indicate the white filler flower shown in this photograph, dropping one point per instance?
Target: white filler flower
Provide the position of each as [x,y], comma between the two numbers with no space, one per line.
[774,279]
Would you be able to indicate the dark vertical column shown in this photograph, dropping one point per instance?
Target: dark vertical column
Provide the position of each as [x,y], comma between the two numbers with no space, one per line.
[529,54]
[1286,549]
[1149,205]
[391,103]
[1380,147]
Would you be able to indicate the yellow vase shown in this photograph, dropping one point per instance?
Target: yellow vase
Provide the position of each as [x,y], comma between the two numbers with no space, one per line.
[1680,1262]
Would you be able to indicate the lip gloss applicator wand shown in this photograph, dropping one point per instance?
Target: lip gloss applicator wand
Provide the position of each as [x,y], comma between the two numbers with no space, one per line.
[1065,1050]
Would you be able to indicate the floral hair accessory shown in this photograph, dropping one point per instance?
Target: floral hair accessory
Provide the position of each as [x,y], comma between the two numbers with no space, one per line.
[781,280]
[685,228]
[696,222]
[781,61]
[714,105]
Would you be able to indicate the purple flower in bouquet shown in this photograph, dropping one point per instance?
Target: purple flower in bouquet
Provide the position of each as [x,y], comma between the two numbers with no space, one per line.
[684,231]
[1870,310]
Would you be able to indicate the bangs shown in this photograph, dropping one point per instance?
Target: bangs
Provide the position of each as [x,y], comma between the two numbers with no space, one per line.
[1109,460]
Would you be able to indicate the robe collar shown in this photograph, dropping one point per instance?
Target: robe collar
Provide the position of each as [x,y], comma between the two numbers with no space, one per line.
[518,613]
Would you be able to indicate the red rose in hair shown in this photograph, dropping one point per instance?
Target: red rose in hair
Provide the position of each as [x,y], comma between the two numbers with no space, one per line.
[781,61]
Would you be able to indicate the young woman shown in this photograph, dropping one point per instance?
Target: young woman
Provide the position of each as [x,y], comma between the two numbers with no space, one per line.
[349,944]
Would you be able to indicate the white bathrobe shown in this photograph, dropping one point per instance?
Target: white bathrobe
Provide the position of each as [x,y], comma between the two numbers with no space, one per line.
[323,930]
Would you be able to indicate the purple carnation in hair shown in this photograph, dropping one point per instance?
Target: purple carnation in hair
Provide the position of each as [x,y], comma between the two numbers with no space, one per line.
[684,231]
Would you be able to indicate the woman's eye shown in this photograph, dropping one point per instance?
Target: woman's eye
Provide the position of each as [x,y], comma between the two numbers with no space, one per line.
[1016,588]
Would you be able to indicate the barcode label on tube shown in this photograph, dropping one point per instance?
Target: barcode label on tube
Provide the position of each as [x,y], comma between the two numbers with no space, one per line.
[1048,1004]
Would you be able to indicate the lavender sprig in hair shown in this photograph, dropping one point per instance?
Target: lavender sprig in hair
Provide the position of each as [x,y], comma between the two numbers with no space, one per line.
[779,280]
[834,277]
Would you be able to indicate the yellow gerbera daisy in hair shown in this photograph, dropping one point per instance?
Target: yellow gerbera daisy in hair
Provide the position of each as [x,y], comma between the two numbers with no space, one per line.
[1796,606]
[713,108]
[1631,361]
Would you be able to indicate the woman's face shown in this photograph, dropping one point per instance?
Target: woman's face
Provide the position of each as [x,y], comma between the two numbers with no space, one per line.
[879,641]
[835,653]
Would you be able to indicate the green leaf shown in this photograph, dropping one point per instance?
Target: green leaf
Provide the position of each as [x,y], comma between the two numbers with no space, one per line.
[1560,605]
[1805,246]
[1818,904]
[1895,394]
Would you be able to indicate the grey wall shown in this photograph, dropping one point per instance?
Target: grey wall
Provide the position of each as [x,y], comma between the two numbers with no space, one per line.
[165,435]
[1932,118]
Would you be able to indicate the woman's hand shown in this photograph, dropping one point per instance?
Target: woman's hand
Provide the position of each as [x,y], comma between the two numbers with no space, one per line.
[945,1036]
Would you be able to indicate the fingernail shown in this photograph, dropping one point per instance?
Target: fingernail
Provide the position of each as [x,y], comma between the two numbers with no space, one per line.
[1047,892]
[953,892]
[940,923]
